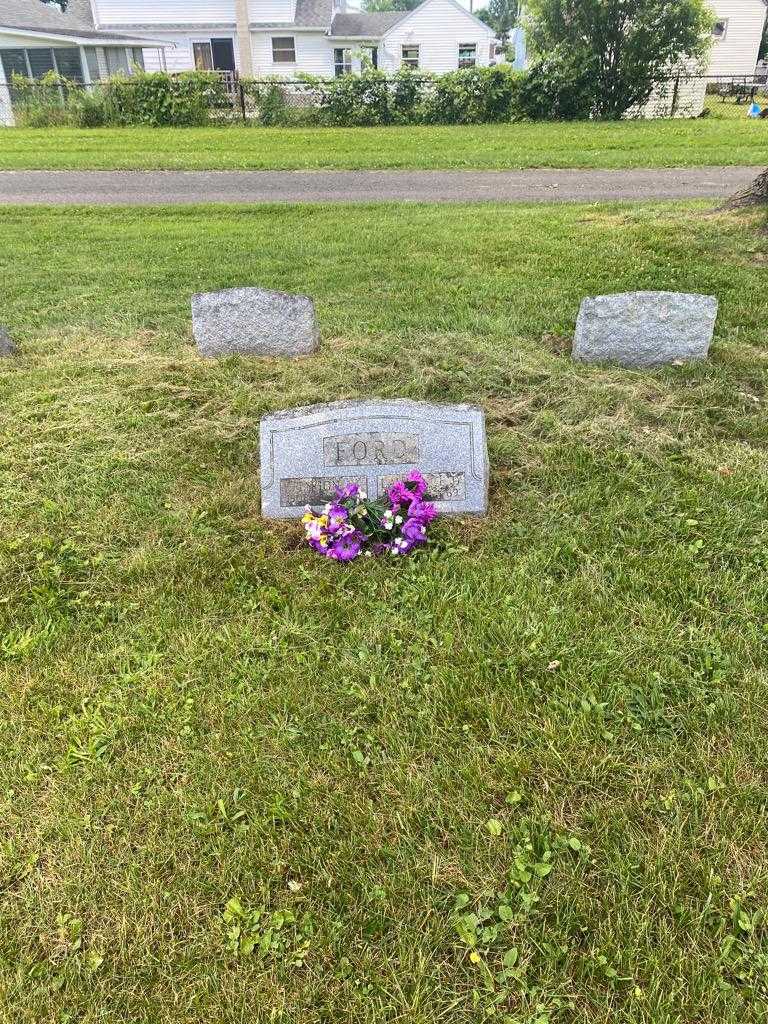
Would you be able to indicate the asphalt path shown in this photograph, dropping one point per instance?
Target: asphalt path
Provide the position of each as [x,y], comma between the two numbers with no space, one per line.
[146,188]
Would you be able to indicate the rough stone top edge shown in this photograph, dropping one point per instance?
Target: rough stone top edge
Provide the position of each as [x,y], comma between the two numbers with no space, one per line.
[372,405]
[251,288]
[654,294]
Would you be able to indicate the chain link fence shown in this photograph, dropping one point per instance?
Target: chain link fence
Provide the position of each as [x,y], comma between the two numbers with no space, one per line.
[250,100]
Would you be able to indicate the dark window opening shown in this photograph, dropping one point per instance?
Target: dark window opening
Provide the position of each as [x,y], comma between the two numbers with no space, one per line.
[342,62]
[410,56]
[283,50]
[467,55]
[223,53]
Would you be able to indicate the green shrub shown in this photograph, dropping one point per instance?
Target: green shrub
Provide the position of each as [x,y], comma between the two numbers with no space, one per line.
[405,96]
[40,104]
[157,99]
[357,100]
[558,87]
[87,108]
[268,99]
[474,96]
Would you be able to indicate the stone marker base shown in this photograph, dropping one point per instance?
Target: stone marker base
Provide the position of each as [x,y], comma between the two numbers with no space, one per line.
[254,322]
[642,329]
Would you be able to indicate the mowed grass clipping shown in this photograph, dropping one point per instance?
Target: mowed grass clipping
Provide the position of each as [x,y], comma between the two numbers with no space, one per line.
[520,777]
[726,137]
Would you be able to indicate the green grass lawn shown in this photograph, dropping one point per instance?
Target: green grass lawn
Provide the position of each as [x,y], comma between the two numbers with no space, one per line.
[726,137]
[198,710]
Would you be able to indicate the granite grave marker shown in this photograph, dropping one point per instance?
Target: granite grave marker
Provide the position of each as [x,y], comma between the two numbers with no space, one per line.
[640,329]
[7,348]
[253,322]
[307,452]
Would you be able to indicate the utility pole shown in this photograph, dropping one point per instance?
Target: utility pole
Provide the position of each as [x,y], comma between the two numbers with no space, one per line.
[243,20]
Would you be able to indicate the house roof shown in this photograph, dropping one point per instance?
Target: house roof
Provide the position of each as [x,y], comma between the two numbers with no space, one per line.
[48,21]
[35,14]
[362,25]
[310,13]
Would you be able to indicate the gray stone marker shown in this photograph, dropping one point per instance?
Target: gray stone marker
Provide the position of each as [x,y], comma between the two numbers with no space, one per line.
[306,453]
[254,322]
[7,348]
[638,329]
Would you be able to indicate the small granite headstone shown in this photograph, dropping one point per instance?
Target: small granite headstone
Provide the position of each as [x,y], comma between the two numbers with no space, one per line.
[254,322]
[7,348]
[639,329]
[307,453]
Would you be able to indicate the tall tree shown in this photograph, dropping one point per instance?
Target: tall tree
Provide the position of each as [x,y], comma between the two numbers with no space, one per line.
[390,5]
[500,15]
[764,42]
[631,45]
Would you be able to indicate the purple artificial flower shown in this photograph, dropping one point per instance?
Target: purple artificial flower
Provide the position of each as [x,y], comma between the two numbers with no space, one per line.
[380,548]
[402,546]
[414,531]
[337,518]
[347,491]
[420,488]
[345,548]
[424,511]
[398,495]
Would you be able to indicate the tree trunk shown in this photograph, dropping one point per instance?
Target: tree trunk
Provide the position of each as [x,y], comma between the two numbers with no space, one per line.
[755,194]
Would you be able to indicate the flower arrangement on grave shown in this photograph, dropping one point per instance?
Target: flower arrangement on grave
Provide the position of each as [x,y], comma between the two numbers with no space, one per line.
[353,525]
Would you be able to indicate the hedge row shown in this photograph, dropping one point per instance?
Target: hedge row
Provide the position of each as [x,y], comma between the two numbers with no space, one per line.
[550,89]
[469,96]
[151,99]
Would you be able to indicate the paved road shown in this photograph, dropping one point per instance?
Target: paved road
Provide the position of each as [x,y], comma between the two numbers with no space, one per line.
[142,188]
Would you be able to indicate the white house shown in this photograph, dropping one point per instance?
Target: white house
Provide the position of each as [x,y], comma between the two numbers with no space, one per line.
[36,38]
[736,36]
[255,37]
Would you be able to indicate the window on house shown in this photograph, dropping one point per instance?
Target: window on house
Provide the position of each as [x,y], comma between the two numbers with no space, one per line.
[40,61]
[342,62]
[37,61]
[137,57]
[720,28]
[68,63]
[283,50]
[117,61]
[410,56]
[202,54]
[223,51]
[213,55]
[14,63]
[92,60]
[467,55]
